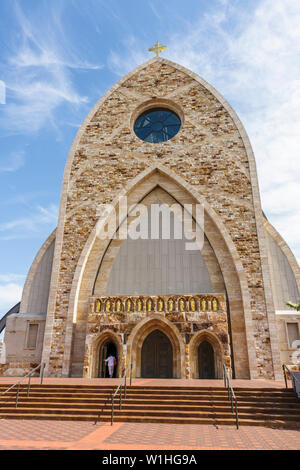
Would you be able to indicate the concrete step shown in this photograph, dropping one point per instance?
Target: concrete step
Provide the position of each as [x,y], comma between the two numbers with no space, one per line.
[152,413]
[125,418]
[160,394]
[153,389]
[152,404]
[133,406]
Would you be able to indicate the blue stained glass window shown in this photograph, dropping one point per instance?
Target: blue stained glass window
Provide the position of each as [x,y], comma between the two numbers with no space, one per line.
[157,125]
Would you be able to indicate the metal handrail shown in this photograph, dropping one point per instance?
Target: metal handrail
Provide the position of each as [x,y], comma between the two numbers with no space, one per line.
[113,395]
[294,379]
[41,366]
[231,395]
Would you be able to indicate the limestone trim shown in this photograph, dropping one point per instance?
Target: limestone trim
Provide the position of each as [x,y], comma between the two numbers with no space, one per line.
[139,334]
[219,353]
[285,249]
[87,266]
[32,272]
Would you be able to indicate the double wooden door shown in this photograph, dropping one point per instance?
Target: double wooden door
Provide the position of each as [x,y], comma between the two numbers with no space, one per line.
[157,356]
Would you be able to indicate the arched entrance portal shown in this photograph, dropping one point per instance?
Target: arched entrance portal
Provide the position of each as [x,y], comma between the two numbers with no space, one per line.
[108,348]
[206,361]
[157,356]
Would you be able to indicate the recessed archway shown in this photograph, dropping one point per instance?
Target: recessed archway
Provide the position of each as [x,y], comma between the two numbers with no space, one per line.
[138,336]
[220,241]
[107,348]
[106,343]
[157,356]
[198,348]
[206,361]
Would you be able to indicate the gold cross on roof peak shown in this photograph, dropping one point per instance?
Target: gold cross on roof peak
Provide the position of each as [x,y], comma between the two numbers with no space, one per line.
[157,48]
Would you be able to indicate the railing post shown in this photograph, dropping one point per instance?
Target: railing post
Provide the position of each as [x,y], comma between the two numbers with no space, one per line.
[231,395]
[17,397]
[236,415]
[284,374]
[28,387]
[130,374]
[120,406]
[125,390]
[112,411]
[42,372]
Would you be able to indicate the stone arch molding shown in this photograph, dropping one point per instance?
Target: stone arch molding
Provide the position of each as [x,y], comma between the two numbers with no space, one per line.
[219,352]
[140,333]
[161,196]
[93,349]
[69,164]
[66,191]
[230,264]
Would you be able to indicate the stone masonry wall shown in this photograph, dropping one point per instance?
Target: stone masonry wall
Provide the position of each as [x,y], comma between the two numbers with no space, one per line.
[189,313]
[208,153]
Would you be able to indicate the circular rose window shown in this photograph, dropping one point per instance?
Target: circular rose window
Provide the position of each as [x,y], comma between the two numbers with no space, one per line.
[157,125]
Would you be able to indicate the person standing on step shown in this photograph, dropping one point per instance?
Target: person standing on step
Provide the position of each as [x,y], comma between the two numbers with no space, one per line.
[111,362]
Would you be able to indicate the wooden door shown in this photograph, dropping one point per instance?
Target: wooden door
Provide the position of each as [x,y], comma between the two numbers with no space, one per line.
[157,356]
[206,361]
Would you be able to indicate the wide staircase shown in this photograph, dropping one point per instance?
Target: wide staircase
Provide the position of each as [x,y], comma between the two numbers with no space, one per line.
[153,404]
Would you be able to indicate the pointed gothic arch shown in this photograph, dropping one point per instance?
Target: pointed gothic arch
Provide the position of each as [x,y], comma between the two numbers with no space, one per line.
[232,270]
[219,354]
[76,305]
[141,332]
[95,349]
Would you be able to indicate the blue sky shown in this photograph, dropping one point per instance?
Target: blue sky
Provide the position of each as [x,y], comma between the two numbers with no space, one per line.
[59,57]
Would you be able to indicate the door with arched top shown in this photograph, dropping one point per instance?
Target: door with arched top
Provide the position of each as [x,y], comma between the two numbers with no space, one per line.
[206,361]
[108,348]
[157,356]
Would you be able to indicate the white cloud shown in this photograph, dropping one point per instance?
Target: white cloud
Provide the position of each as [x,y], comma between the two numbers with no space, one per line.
[10,294]
[11,286]
[26,227]
[2,92]
[123,63]
[15,162]
[38,76]
[11,277]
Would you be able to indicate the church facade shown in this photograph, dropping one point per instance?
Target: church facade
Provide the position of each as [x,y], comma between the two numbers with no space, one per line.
[160,136]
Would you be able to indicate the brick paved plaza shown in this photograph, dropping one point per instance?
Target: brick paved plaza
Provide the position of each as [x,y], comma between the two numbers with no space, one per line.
[73,435]
[82,435]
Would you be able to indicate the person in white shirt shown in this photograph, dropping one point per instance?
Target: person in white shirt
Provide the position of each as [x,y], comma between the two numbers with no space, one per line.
[111,361]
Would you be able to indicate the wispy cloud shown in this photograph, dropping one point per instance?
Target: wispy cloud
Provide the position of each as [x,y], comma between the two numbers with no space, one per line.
[10,294]
[37,73]
[252,56]
[26,227]
[13,163]
[11,286]
[11,277]
[120,63]
[155,11]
